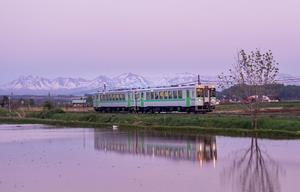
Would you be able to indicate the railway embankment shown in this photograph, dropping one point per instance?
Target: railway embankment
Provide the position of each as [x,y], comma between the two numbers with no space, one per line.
[270,125]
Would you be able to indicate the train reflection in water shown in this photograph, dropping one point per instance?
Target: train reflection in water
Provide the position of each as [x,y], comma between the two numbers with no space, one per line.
[192,148]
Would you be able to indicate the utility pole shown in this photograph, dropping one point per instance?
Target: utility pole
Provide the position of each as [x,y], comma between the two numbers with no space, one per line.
[9,101]
[104,87]
[9,109]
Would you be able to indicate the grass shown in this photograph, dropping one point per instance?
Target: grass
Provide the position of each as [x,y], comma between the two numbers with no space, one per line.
[283,105]
[207,121]
[234,125]
[264,133]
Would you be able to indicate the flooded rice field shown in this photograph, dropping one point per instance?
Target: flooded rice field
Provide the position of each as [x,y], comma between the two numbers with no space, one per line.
[36,158]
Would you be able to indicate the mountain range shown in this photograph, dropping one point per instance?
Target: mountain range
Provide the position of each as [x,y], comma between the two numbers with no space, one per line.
[36,85]
[63,85]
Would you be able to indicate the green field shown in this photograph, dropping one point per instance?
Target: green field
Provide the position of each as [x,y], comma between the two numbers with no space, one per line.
[282,105]
[269,125]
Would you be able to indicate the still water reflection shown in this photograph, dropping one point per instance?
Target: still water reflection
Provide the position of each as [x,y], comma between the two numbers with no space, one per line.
[40,158]
[253,169]
[192,148]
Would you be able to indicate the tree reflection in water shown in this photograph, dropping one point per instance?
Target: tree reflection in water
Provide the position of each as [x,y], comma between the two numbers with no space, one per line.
[253,170]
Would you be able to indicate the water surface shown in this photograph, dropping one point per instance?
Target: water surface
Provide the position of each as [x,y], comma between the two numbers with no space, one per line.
[36,158]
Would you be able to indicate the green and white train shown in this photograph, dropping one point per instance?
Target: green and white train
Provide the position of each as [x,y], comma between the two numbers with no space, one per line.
[185,98]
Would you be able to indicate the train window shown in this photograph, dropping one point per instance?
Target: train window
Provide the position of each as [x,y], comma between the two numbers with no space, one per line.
[187,93]
[161,95]
[152,95]
[156,95]
[180,94]
[147,95]
[170,94]
[166,95]
[142,95]
[199,92]
[174,94]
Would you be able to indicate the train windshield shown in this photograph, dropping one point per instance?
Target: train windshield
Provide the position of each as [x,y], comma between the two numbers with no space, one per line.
[199,92]
[213,92]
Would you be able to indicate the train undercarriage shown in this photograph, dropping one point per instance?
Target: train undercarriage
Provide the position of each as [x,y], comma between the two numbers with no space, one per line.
[157,109]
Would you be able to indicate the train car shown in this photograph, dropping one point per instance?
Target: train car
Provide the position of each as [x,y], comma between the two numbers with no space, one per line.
[184,98]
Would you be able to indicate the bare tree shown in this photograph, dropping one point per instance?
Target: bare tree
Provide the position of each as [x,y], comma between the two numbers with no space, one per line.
[253,170]
[253,75]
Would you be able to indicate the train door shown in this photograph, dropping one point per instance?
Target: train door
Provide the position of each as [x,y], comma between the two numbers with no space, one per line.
[142,99]
[187,98]
[212,94]
[207,99]
[129,100]
[206,95]
[135,100]
[200,94]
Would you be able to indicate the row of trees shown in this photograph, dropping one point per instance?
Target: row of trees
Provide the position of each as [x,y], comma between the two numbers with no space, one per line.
[280,91]
[8,101]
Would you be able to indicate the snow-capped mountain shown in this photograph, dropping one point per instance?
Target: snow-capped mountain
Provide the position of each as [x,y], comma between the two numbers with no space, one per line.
[63,85]
[99,82]
[180,78]
[67,83]
[130,80]
[29,82]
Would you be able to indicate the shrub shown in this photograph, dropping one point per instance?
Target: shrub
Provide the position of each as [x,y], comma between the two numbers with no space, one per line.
[48,113]
[48,105]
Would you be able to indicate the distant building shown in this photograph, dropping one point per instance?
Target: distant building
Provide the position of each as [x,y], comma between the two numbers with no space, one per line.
[267,99]
[79,103]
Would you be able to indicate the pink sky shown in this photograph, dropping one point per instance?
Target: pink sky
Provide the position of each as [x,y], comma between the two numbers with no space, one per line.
[91,37]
